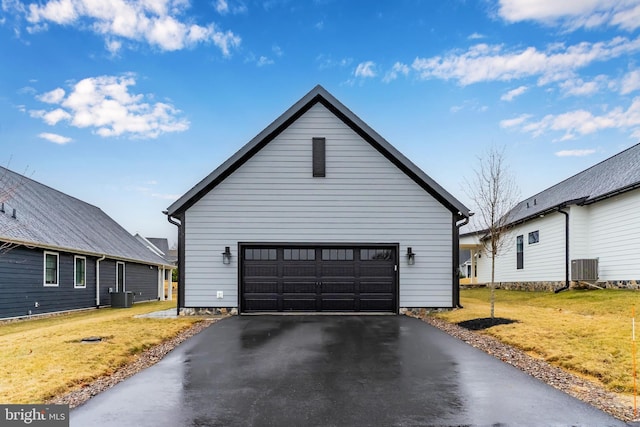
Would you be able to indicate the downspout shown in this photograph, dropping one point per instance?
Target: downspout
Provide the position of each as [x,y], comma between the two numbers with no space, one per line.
[456,260]
[98,280]
[181,242]
[566,252]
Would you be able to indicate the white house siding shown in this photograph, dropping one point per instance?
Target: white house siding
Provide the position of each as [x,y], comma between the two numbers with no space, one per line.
[615,236]
[273,197]
[543,261]
[579,235]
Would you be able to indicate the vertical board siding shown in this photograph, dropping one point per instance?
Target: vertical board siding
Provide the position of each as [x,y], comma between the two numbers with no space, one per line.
[21,284]
[615,236]
[273,197]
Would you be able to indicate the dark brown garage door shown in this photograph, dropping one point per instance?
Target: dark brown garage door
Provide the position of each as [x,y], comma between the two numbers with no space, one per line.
[312,278]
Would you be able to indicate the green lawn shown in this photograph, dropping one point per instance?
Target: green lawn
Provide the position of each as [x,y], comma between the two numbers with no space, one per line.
[587,332]
[45,357]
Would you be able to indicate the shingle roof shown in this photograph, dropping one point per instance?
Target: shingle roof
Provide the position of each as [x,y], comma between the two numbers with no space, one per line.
[612,176]
[51,219]
[318,94]
[160,243]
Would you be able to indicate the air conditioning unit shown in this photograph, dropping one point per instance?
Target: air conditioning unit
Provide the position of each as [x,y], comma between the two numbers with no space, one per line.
[584,270]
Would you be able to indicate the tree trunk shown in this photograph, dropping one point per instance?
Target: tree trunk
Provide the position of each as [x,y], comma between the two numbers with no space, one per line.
[493,286]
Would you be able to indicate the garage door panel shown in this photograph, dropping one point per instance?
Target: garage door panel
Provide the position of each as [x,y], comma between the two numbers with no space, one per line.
[253,270]
[379,287]
[322,278]
[296,303]
[338,269]
[298,286]
[261,287]
[333,287]
[368,270]
[258,303]
[338,303]
[370,303]
[299,270]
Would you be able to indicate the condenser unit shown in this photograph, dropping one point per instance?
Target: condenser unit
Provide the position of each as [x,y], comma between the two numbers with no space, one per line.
[584,270]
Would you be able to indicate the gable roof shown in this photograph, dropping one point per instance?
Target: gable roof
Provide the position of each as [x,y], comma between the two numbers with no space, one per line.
[160,243]
[50,219]
[317,95]
[608,178]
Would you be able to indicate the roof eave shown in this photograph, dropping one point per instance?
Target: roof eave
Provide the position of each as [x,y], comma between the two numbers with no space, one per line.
[77,251]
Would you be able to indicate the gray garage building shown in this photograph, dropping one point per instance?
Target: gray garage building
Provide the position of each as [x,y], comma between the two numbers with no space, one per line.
[318,212]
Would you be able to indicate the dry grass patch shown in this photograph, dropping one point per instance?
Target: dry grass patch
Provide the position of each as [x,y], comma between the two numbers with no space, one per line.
[584,332]
[46,357]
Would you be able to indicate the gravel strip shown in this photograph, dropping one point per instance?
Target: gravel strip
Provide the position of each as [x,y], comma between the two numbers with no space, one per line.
[571,384]
[144,360]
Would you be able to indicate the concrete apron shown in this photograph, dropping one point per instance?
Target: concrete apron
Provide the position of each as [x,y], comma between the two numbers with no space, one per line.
[331,371]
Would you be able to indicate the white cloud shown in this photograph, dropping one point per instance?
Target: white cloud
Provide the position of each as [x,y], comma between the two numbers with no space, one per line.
[574,14]
[469,105]
[166,196]
[105,104]
[277,50]
[113,46]
[483,62]
[51,117]
[517,121]
[630,82]
[475,36]
[398,68]
[326,62]
[513,93]
[160,23]
[580,122]
[578,87]
[574,153]
[222,6]
[53,97]
[55,138]
[263,60]
[365,69]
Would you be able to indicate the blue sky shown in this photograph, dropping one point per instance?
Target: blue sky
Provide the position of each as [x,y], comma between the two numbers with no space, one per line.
[128,104]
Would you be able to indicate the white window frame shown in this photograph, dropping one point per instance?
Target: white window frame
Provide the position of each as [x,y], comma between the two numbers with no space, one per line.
[76,285]
[44,275]
[124,276]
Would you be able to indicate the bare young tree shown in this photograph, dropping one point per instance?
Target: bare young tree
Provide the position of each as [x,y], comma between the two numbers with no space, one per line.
[495,194]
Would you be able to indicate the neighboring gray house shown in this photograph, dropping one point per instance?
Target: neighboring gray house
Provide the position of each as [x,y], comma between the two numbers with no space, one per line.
[318,213]
[583,229]
[58,253]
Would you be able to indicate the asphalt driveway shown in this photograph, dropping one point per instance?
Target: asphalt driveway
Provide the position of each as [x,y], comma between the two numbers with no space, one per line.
[331,371]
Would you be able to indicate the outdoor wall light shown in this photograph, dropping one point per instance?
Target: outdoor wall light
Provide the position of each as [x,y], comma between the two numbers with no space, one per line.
[226,255]
[411,256]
